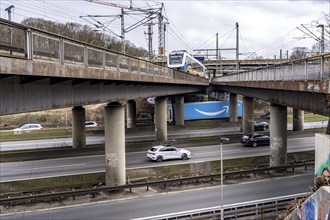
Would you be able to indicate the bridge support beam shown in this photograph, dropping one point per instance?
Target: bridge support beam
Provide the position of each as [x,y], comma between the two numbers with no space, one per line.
[131,114]
[248,110]
[160,119]
[78,127]
[278,135]
[179,110]
[298,120]
[114,134]
[233,98]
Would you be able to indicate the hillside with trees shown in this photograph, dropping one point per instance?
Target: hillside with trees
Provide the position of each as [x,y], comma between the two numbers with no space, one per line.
[86,34]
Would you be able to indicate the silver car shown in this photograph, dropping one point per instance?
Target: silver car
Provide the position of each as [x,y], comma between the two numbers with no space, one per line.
[159,153]
[27,128]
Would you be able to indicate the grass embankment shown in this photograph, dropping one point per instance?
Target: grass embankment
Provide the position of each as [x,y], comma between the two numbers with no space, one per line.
[33,135]
[310,118]
[41,134]
[49,133]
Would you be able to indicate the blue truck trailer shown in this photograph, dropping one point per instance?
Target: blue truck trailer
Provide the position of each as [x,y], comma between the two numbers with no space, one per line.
[208,110]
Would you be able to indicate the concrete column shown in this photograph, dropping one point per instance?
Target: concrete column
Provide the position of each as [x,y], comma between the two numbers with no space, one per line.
[114,134]
[278,135]
[160,119]
[233,107]
[248,117]
[179,110]
[298,120]
[78,127]
[131,113]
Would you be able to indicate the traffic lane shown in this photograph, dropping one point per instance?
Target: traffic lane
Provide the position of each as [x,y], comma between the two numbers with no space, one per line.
[94,140]
[51,168]
[96,163]
[172,202]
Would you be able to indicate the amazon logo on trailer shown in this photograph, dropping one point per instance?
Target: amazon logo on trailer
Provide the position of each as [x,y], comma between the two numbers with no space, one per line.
[209,110]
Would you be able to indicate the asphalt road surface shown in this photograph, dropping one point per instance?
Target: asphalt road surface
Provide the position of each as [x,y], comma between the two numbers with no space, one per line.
[92,140]
[96,163]
[172,202]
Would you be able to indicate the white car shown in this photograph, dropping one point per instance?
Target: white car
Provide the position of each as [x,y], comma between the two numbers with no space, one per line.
[159,153]
[90,124]
[27,128]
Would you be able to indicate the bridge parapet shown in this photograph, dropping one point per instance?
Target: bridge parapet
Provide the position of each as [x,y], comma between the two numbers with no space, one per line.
[308,75]
[18,42]
[314,68]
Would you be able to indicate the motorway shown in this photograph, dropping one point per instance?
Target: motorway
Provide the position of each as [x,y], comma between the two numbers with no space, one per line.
[155,204]
[95,140]
[89,164]
[135,137]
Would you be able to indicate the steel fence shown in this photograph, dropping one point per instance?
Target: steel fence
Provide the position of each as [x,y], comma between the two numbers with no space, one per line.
[19,41]
[313,68]
[258,209]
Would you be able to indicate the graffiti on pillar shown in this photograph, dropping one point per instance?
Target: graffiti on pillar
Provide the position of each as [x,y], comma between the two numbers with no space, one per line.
[323,167]
[277,142]
[275,147]
[111,159]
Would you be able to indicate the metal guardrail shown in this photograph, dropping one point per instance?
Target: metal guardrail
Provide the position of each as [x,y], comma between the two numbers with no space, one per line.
[314,68]
[180,181]
[24,42]
[257,209]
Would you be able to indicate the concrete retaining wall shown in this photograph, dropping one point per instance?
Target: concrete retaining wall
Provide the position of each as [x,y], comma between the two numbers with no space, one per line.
[322,154]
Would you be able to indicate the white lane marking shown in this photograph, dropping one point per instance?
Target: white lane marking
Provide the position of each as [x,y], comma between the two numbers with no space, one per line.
[51,167]
[53,176]
[216,151]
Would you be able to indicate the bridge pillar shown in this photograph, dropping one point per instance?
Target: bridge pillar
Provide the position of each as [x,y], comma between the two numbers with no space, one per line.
[131,114]
[179,110]
[298,120]
[160,119]
[114,134]
[278,135]
[78,127]
[233,107]
[248,117]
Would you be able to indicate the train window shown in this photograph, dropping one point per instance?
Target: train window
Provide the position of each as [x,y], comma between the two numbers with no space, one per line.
[175,59]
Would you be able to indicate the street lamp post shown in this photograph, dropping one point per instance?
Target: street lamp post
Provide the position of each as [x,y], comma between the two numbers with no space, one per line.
[222,140]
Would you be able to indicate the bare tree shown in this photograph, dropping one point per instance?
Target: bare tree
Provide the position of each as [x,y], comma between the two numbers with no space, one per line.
[299,53]
[86,34]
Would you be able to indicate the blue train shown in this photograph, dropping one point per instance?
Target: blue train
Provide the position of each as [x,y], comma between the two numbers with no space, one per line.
[185,62]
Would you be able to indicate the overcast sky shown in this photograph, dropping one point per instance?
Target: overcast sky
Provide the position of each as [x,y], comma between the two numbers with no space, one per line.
[265,27]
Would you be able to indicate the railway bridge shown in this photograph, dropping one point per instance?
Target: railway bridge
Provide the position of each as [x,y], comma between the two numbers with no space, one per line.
[303,85]
[41,71]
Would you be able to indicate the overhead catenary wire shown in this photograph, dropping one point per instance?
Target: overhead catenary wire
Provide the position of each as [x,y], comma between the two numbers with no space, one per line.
[33,7]
[57,12]
[180,39]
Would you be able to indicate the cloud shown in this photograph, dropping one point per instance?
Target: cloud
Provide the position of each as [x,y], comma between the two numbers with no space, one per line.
[265,26]
[261,23]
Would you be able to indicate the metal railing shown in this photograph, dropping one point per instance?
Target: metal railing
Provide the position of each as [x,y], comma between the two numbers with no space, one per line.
[314,68]
[34,44]
[8,200]
[257,209]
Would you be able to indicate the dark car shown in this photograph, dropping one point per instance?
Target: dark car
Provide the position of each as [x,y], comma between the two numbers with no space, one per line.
[258,126]
[265,115]
[255,140]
